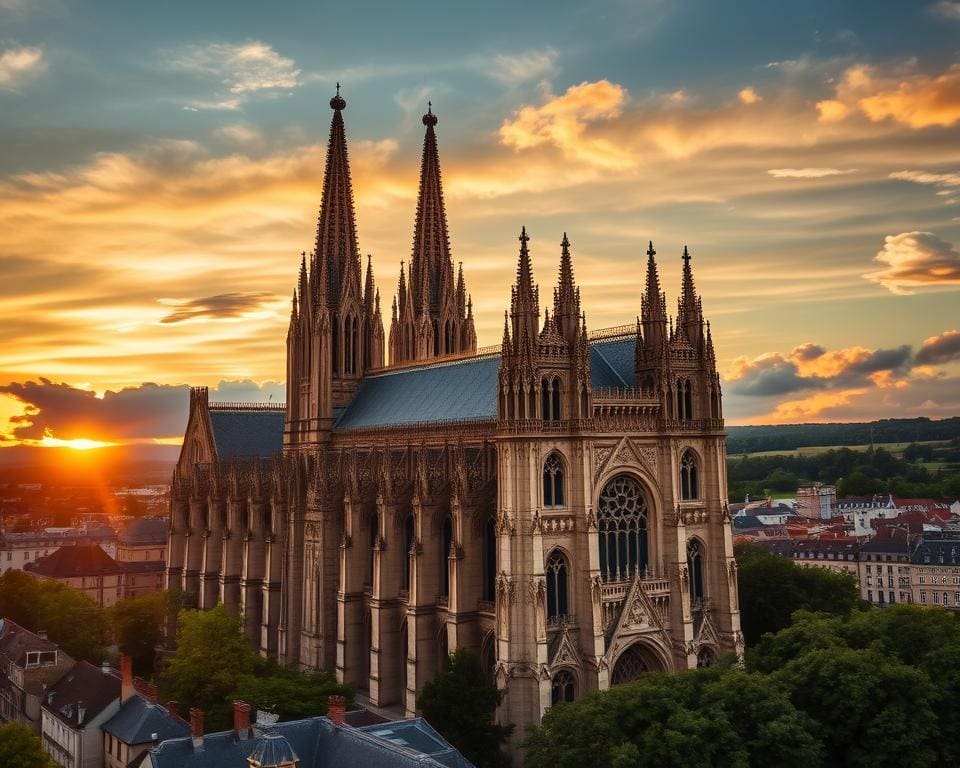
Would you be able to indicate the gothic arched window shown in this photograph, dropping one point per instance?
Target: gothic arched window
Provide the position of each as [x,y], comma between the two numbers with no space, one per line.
[545,400]
[564,688]
[553,490]
[695,568]
[629,666]
[689,477]
[688,400]
[489,559]
[557,600]
[555,401]
[445,556]
[408,541]
[622,526]
[335,347]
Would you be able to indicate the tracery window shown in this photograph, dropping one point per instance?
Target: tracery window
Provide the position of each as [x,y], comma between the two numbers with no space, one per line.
[629,666]
[684,398]
[689,479]
[622,526]
[557,598]
[555,401]
[553,490]
[564,687]
[550,399]
[695,569]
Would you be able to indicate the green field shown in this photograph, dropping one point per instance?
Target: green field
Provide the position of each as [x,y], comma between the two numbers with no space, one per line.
[813,450]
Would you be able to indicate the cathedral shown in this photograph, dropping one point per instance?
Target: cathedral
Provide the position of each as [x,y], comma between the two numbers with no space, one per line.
[555,504]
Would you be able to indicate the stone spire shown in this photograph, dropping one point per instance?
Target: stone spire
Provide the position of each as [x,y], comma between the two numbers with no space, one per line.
[442,322]
[566,297]
[336,243]
[524,301]
[690,311]
[653,308]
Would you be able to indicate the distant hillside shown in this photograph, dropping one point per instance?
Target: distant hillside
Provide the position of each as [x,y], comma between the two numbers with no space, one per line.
[786,437]
[115,465]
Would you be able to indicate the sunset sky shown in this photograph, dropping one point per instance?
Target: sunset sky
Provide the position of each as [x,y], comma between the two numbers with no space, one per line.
[161,168]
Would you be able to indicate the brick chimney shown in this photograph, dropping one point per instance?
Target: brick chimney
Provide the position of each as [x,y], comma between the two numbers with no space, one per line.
[196,727]
[336,708]
[241,718]
[126,678]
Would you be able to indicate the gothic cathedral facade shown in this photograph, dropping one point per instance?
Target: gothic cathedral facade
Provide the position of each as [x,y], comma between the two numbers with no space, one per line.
[556,505]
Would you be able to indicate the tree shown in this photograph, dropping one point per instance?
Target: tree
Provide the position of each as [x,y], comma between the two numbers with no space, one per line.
[138,628]
[19,598]
[212,659]
[20,747]
[460,703]
[291,695]
[772,588]
[705,717]
[871,710]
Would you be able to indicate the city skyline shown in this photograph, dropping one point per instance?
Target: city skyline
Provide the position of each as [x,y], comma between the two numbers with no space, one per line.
[164,173]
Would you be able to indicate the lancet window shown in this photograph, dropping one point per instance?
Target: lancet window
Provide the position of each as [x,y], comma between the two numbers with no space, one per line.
[564,687]
[550,399]
[622,527]
[689,477]
[557,596]
[553,489]
[695,569]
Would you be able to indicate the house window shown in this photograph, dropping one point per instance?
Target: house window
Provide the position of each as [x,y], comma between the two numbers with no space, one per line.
[557,599]
[553,490]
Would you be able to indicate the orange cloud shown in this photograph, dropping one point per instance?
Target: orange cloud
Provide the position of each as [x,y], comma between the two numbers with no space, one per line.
[809,408]
[916,259]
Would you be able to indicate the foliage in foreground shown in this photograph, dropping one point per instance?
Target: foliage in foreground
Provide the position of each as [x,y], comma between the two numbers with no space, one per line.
[773,588]
[214,665]
[21,748]
[138,627]
[460,703]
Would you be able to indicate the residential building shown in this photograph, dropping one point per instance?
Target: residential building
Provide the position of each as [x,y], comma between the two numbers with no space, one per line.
[838,555]
[19,549]
[86,568]
[884,567]
[139,724]
[142,553]
[817,500]
[556,505]
[316,742]
[935,564]
[29,664]
[74,709]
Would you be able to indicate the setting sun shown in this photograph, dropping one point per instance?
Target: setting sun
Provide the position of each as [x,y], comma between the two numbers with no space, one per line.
[78,443]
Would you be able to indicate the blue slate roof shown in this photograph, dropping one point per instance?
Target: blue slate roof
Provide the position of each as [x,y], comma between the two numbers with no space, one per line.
[318,744]
[462,390]
[246,433]
[137,720]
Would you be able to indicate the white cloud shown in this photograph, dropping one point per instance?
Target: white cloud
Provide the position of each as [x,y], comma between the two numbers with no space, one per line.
[520,68]
[808,173]
[17,62]
[240,133]
[947,10]
[916,259]
[749,95]
[923,177]
[242,69]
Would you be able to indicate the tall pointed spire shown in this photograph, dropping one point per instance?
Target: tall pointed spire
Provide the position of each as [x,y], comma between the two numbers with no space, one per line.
[690,315]
[336,242]
[439,296]
[566,298]
[524,300]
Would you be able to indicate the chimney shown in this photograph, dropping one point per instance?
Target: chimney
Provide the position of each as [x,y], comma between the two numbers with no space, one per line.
[172,708]
[81,712]
[151,692]
[196,727]
[336,707]
[241,718]
[42,634]
[126,678]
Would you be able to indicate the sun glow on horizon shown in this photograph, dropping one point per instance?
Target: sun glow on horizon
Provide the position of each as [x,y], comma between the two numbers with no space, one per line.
[77,443]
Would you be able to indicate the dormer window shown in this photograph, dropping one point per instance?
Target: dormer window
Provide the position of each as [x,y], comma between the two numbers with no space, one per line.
[41,659]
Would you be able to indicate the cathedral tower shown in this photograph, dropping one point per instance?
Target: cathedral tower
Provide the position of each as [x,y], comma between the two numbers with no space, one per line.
[432,313]
[336,331]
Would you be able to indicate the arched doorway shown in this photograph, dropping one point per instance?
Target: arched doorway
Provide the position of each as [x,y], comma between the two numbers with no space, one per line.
[632,663]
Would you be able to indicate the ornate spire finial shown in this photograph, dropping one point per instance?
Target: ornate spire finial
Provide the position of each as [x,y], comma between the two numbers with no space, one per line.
[337,103]
[650,252]
[430,119]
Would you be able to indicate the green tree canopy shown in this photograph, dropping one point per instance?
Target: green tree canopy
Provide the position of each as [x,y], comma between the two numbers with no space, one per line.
[138,628]
[460,703]
[710,717]
[291,695]
[772,588]
[20,747]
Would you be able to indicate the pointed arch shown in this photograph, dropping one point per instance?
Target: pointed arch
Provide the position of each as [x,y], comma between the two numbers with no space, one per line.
[554,490]
[563,687]
[545,399]
[558,599]
[555,387]
[622,526]
[689,476]
[695,567]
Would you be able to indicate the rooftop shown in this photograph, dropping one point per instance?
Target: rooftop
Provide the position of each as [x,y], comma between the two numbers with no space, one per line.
[82,694]
[145,530]
[138,720]
[76,560]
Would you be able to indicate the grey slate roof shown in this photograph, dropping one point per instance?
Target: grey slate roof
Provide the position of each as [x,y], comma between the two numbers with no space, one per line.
[137,720]
[145,530]
[246,433]
[83,686]
[462,390]
[318,744]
